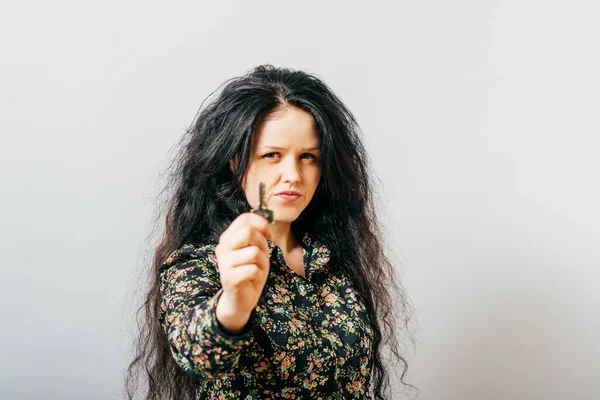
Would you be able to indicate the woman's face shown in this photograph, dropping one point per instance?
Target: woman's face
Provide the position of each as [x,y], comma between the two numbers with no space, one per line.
[285,156]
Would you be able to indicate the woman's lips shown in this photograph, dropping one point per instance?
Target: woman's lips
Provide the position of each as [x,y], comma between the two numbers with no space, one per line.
[288,197]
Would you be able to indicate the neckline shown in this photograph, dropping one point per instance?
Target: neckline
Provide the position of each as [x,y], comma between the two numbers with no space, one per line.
[315,256]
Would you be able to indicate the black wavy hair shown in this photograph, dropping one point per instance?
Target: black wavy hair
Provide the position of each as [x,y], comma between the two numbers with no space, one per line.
[203,196]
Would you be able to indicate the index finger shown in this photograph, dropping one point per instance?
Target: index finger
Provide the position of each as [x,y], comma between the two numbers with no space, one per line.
[255,221]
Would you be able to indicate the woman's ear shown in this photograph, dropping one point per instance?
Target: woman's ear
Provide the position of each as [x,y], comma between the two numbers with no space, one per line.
[233,163]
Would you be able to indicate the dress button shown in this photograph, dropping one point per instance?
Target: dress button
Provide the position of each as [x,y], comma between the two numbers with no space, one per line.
[325,324]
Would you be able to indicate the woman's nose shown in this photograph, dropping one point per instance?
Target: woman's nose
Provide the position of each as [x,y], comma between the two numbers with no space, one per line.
[291,171]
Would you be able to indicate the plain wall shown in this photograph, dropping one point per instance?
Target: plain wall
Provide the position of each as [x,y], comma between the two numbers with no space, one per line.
[482,119]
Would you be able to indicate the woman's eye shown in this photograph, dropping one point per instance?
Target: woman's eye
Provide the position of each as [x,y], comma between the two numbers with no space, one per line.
[269,155]
[310,155]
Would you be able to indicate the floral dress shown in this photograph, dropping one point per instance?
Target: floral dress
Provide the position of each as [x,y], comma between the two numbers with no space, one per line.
[308,337]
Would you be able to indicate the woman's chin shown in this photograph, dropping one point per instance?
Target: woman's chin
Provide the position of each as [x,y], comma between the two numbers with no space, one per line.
[285,216]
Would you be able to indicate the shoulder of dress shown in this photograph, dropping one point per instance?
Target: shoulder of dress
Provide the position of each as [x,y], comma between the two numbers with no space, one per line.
[190,252]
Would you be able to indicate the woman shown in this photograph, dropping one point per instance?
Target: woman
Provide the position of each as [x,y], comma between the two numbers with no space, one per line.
[240,308]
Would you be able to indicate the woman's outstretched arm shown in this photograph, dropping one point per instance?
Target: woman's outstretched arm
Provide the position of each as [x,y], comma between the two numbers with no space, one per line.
[190,290]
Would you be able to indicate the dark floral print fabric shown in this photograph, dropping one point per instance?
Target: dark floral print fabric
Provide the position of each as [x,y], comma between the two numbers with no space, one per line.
[308,337]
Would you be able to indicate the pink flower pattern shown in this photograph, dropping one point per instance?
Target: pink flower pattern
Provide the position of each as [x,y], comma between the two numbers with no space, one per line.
[308,337]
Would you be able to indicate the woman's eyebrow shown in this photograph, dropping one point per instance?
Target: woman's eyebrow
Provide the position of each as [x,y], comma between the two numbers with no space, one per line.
[281,148]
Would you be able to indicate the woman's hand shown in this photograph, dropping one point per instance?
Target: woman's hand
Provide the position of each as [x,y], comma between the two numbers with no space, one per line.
[243,260]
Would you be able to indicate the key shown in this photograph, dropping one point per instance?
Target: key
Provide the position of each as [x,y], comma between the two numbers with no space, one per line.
[262,209]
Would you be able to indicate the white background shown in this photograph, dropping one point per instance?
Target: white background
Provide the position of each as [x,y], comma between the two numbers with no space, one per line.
[481,117]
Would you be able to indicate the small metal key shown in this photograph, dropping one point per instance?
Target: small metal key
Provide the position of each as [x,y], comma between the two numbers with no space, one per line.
[262,209]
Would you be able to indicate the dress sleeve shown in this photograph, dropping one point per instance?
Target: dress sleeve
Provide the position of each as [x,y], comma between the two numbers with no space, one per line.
[190,289]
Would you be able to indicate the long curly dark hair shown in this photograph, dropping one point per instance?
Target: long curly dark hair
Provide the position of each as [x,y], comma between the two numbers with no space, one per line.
[203,196]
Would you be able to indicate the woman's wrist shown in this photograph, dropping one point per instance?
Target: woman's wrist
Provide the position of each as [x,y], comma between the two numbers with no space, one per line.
[232,321]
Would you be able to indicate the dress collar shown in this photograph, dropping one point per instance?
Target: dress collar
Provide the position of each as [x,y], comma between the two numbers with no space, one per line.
[316,254]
